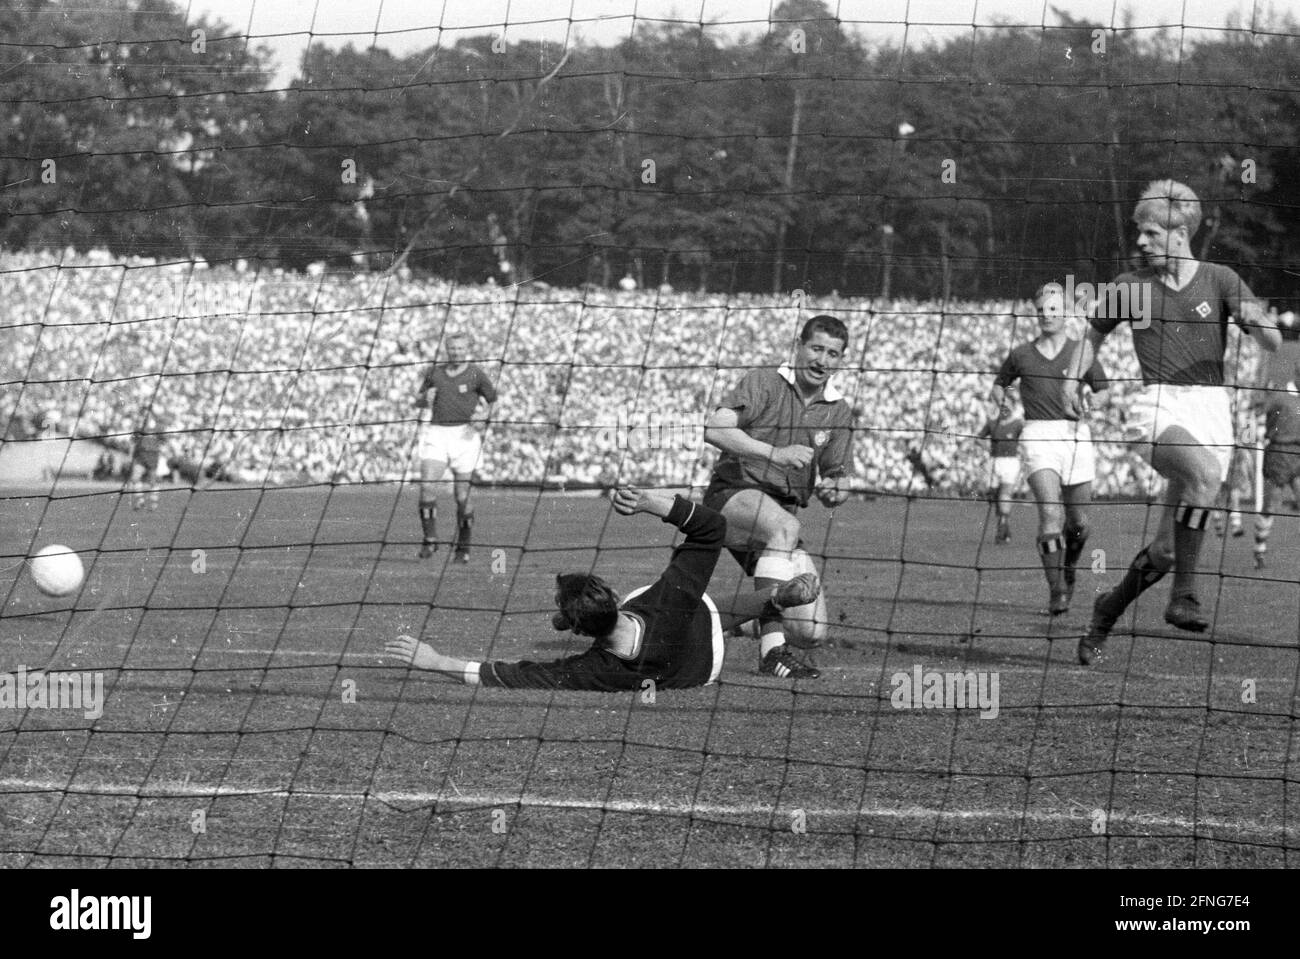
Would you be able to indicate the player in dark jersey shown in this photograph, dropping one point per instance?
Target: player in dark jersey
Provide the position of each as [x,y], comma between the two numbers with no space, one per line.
[1056,443]
[146,456]
[670,633]
[1178,309]
[785,435]
[451,392]
[1281,461]
[1003,432]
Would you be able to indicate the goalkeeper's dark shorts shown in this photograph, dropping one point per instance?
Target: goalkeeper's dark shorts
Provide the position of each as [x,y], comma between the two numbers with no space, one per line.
[1281,465]
[717,496]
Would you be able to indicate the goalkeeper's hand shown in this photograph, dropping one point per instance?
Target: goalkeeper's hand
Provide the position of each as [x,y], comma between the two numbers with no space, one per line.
[629,500]
[409,651]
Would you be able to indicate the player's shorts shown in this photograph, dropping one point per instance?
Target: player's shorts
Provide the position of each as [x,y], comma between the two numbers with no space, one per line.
[716,498]
[1204,412]
[1281,465]
[719,493]
[1063,446]
[719,643]
[457,446]
[1006,470]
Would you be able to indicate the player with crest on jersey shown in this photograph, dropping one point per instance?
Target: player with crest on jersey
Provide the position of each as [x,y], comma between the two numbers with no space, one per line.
[1178,309]
[452,392]
[785,435]
[1055,442]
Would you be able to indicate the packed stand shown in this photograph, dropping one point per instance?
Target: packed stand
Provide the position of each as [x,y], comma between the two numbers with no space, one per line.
[277,378]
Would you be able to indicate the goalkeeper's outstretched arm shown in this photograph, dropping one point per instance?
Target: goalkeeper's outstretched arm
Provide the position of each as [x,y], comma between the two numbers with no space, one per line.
[410,651]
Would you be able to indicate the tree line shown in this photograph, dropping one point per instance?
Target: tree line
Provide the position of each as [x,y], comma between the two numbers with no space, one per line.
[798,157]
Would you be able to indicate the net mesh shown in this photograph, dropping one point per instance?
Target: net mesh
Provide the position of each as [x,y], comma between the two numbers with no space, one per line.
[253,280]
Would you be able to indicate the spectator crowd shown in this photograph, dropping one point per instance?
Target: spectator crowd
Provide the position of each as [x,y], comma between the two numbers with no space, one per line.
[277,377]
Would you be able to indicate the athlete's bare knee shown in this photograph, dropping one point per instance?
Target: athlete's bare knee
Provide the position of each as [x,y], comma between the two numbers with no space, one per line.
[783,533]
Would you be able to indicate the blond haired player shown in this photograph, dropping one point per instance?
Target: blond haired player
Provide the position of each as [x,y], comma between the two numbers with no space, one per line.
[1181,417]
[1056,443]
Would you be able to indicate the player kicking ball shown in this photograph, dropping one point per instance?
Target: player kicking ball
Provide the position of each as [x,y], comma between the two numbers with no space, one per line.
[1281,462]
[1182,416]
[452,392]
[670,632]
[784,434]
[1055,442]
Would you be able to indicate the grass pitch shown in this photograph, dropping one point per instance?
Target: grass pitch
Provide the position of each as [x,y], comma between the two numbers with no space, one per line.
[250,721]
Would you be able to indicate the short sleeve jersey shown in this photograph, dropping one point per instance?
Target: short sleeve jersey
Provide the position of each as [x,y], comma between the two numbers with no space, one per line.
[769,408]
[1182,340]
[456,397]
[1040,379]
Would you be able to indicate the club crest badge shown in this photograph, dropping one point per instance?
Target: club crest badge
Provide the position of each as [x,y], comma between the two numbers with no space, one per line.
[820,438]
[1204,309]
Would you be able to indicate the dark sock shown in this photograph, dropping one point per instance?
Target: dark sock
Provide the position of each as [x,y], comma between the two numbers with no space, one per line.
[1142,574]
[1051,548]
[429,521]
[1263,529]
[464,524]
[1189,531]
[1076,537]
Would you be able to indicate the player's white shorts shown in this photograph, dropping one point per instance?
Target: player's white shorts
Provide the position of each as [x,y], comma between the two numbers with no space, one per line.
[1203,411]
[457,446]
[1063,446]
[1006,470]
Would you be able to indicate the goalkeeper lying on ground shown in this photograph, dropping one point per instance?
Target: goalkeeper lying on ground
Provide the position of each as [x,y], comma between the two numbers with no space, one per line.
[670,632]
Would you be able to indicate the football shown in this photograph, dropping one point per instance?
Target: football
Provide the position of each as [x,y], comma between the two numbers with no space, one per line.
[57,571]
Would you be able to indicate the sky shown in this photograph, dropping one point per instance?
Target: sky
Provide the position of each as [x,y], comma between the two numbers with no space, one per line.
[408,26]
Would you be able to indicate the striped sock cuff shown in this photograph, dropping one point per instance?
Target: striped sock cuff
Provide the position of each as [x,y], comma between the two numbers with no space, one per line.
[1052,543]
[1191,517]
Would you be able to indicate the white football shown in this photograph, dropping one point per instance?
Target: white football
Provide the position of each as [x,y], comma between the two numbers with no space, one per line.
[57,571]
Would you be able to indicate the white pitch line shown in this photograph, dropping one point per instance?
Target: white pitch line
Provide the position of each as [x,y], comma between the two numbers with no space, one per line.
[184,790]
[211,650]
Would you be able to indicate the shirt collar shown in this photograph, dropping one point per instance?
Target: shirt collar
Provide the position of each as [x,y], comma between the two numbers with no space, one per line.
[829,392]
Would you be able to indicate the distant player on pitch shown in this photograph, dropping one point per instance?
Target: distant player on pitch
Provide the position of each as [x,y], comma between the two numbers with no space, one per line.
[452,392]
[1055,442]
[1281,461]
[1003,431]
[1182,416]
[670,633]
[785,434]
[146,456]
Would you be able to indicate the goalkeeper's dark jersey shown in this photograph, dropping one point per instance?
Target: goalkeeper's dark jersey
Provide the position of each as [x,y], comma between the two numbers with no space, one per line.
[677,627]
